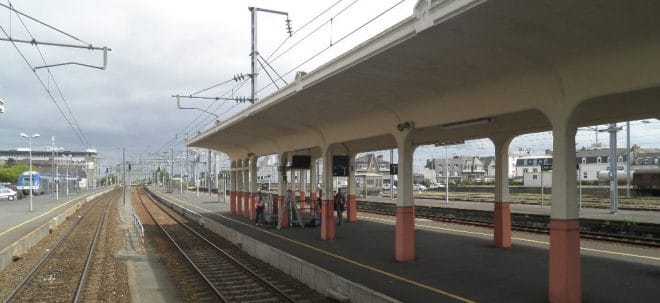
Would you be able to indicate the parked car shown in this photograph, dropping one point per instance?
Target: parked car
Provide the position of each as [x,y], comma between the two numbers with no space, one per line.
[419,187]
[7,193]
[386,186]
[435,186]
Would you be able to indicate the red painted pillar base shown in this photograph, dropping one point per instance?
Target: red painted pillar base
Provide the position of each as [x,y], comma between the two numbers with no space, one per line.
[312,203]
[232,202]
[327,221]
[303,201]
[239,203]
[352,208]
[502,225]
[283,213]
[253,210]
[565,276]
[246,204]
[405,234]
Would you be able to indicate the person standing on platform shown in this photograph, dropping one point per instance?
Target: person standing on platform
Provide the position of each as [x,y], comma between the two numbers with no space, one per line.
[340,205]
[260,209]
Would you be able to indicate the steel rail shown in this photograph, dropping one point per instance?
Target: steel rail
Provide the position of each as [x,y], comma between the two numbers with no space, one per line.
[616,238]
[280,293]
[90,255]
[199,272]
[45,258]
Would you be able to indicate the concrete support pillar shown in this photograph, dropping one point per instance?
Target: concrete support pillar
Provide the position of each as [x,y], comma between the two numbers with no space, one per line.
[282,210]
[351,212]
[303,189]
[246,187]
[405,214]
[239,187]
[327,211]
[253,187]
[313,185]
[564,266]
[232,188]
[502,211]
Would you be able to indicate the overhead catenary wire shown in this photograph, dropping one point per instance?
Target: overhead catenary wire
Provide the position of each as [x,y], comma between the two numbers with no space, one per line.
[335,43]
[57,86]
[229,110]
[303,26]
[59,108]
[11,8]
[268,73]
[275,71]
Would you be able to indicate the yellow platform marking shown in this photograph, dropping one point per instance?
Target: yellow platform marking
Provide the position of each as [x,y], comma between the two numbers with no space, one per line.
[397,277]
[521,239]
[37,217]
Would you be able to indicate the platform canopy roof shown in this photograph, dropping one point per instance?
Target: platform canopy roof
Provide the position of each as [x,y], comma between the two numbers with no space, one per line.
[464,69]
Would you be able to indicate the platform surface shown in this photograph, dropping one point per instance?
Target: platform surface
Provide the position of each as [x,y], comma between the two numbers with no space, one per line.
[453,263]
[16,220]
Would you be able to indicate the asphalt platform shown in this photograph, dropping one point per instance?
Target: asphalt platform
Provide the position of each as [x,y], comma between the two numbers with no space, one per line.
[16,220]
[453,263]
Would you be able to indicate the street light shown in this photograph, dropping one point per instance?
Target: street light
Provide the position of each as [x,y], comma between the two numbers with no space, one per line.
[30,157]
[446,145]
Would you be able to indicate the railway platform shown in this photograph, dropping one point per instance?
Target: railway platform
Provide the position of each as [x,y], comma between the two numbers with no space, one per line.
[20,228]
[454,263]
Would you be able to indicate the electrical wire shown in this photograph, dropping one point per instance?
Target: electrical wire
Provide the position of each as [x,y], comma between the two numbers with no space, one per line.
[337,42]
[276,73]
[302,27]
[11,8]
[59,90]
[59,108]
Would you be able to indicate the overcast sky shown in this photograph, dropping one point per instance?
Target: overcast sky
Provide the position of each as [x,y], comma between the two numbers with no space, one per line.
[160,48]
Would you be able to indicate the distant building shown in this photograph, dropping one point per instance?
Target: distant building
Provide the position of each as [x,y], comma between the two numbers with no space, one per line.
[81,164]
[459,168]
[592,164]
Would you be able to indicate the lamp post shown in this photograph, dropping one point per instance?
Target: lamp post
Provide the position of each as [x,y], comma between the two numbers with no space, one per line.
[30,137]
[123,163]
[68,163]
[446,145]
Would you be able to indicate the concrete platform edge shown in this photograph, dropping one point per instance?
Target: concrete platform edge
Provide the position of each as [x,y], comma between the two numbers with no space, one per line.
[26,242]
[317,278]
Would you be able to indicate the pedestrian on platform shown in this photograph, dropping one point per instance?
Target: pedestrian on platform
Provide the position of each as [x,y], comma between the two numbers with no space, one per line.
[340,205]
[260,209]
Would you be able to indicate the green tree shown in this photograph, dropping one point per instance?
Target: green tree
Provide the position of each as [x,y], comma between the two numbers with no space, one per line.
[10,173]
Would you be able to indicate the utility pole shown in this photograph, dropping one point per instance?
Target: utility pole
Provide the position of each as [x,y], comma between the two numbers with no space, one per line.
[391,175]
[208,172]
[614,194]
[123,162]
[628,159]
[255,53]
[53,156]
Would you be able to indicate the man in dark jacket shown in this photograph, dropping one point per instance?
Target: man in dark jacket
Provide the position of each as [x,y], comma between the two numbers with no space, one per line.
[340,205]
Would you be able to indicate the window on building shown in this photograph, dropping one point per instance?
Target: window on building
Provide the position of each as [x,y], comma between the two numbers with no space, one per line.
[585,175]
[599,160]
[545,161]
[534,177]
[584,160]
[525,170]
[535,169]
[647,161]
[620,159]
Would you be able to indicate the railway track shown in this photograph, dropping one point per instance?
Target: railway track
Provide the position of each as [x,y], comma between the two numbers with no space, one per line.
[226,277]
[623,232]
[61,273]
